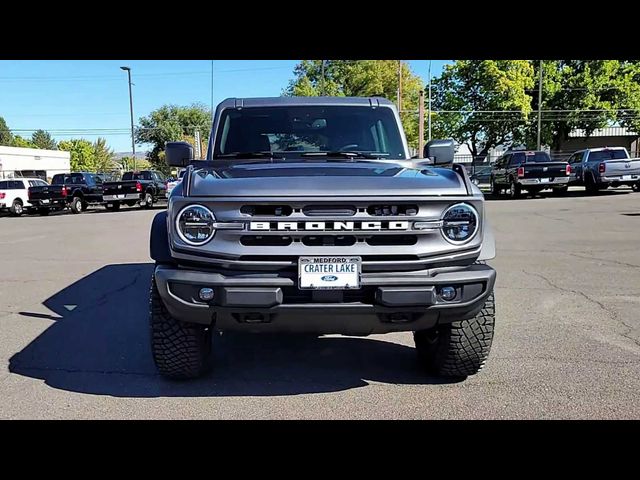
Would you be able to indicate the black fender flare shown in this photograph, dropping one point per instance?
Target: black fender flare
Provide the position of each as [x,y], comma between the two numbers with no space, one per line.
[159,240]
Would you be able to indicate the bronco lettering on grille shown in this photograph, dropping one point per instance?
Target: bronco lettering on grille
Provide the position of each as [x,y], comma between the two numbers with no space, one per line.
[328,226]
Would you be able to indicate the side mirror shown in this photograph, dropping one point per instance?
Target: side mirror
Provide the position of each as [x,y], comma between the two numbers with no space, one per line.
[440,151]
[178,154]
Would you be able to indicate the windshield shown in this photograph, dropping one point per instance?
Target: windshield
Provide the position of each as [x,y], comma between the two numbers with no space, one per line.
[295,130]
[608,155]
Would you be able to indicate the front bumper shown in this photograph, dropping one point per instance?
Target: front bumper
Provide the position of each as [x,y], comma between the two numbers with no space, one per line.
[541,182]
[269,302]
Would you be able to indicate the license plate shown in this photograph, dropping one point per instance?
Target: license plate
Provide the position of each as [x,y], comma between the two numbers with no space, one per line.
[45,201]
[329,273]
[120,196]
[545,180]
[627,177]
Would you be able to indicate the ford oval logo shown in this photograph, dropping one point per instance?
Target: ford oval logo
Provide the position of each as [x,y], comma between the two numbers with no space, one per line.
[329,278]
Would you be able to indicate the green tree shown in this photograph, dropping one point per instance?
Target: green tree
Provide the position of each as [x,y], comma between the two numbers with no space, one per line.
[102,156]
[171,123]
[43,139]
[470,94]
[360,78]
[6,137]
[82,154]
[585,94]
[18,141]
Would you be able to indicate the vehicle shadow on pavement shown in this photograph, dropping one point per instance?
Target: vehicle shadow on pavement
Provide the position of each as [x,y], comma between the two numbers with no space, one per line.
[101,346]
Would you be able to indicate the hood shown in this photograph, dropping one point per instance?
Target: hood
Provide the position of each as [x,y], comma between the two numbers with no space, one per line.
[325,178]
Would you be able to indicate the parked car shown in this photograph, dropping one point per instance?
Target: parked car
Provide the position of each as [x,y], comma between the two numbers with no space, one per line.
[145,188]
[600,168]
[14,194]
[173,182]
[532,171]
[75,191]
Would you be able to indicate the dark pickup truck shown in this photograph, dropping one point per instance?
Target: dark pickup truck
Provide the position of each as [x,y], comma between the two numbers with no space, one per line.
[145,188]
[75,191]
[532,171]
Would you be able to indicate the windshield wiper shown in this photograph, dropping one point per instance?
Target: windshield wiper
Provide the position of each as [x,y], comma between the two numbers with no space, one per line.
[346,154]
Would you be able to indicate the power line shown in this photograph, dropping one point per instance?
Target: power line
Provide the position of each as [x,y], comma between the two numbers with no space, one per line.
[144,75]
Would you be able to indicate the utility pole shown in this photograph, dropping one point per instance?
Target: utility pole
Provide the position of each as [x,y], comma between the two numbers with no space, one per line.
[421,124]
[133,141]
[540,105]
[399,86]
[322,79]
[429,100]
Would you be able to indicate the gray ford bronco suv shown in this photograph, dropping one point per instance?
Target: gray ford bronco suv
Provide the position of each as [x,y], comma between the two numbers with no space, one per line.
[308,215]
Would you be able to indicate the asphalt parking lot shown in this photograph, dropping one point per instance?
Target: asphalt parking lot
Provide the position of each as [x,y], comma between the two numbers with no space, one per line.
[74,338]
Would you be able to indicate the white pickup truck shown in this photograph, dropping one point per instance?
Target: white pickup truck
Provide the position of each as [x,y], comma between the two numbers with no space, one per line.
[600,168]
[14,194]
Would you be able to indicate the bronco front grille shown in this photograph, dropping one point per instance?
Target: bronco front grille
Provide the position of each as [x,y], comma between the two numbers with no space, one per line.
[272,234]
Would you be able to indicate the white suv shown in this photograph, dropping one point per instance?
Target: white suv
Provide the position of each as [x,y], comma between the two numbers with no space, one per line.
[14,194]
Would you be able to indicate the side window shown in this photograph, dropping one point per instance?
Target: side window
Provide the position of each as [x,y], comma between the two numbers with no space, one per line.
[18,185]
[579,157]
[77,179]
[4,185]
[57,179]
[505,161]
[97,179]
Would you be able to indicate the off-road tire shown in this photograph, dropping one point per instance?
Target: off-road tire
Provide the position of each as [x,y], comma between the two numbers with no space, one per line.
[180,350]
[17,208]
[458,349]
[84,206]
[76,205]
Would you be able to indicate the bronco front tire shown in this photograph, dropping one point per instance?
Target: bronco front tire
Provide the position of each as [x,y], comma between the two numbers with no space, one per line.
[458,349]
[180,350]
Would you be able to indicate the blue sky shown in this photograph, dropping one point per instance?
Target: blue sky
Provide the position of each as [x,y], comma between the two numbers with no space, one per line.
[71,95]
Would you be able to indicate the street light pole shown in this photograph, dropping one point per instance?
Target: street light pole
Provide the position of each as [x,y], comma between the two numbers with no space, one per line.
[133,142]
[429,120]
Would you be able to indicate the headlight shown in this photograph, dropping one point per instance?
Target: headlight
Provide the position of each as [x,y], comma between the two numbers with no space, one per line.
[195,224]
[459,223]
